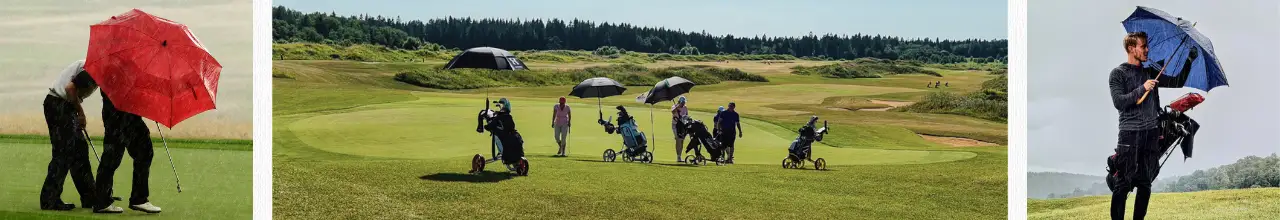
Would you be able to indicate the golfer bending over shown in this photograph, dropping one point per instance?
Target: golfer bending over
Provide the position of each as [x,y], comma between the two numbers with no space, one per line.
[125,132]
[65,118]
[1139,136]
[678,112]
[729,125]
[560,121]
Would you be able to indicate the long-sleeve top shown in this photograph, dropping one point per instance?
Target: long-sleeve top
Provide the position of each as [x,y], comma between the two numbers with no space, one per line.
[1126,88]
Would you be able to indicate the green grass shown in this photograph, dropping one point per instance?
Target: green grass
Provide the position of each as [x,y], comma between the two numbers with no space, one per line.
[394,152]
[216,182]
[1258,203]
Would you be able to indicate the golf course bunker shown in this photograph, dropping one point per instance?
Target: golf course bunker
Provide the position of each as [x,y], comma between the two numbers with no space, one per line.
[439,128]
[891,104]
[956,141]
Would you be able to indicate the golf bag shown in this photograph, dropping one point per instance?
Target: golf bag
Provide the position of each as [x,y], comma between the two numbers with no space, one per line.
[802,147]
[1176,130]
[701,137]
[508,143]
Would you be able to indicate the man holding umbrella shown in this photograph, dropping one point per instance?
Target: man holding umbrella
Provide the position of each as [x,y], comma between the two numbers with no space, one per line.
[1139,134]
[65,119]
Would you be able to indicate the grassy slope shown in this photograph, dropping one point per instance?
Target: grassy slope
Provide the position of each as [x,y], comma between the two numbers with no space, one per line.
[307,176]
[1217,204]
[216,177]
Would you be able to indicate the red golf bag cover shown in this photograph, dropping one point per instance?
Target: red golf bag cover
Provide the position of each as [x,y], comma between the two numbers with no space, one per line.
[1186,102]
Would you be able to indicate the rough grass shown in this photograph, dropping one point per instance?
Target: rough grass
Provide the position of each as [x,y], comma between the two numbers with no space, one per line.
[991,102]
[216,183]
[1258,203]
[863,68]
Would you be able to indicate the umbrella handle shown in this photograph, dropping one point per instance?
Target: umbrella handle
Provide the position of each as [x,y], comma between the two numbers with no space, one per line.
[1167,63]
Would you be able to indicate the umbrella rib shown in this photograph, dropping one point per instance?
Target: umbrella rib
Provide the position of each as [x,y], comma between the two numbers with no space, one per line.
[134,30]
[114,53]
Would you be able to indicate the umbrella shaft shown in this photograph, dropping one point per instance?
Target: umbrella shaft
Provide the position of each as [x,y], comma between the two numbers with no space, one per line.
[1162,68]
[166,153]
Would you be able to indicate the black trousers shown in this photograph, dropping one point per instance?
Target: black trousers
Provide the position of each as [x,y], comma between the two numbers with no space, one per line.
[126,132]
[70,154]
[1143,149]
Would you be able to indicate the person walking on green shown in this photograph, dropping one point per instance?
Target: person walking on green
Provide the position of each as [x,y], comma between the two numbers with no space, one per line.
[560,121]
[729,125]
[678,112]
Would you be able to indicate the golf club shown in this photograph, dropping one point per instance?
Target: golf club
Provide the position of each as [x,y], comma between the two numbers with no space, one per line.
[166,153]
[95,155]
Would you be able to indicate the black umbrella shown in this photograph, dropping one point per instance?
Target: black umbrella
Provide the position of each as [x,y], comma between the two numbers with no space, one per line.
[665,90]
[598,88]
[486,58]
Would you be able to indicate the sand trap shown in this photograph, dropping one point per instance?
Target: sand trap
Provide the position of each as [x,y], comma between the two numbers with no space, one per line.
[891,104]
[956,142]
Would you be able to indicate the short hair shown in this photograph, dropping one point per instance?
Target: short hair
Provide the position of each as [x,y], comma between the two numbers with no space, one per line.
[1131,40]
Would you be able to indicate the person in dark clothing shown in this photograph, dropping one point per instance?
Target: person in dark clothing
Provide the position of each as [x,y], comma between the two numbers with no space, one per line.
[125,132]
[937,84]
[65,118]
[729,125]
[1139,134]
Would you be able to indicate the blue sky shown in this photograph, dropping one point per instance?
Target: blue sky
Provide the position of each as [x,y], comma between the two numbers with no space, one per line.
[985,19]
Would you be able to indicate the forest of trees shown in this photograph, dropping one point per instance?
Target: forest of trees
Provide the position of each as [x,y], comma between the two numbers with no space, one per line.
[555,34]
[1248,172]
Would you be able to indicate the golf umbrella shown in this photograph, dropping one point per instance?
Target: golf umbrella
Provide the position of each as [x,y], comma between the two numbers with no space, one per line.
[665,90]
[1174,37]
[486,58]
[598,88]
[154,68]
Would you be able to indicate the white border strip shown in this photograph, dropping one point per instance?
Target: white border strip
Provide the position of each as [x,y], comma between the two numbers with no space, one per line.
[1017,109]
[262,109]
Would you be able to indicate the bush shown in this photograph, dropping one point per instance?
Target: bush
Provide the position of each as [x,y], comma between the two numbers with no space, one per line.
[991,102]
[627,74]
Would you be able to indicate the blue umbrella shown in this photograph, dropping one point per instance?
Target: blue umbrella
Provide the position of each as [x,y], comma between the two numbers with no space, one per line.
[1173,37]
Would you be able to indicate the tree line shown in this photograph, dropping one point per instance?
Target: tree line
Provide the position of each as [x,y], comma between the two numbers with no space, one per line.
[1248,172]
[555,34]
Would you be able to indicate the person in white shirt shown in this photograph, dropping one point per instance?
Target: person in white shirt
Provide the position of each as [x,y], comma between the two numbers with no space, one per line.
[65,119]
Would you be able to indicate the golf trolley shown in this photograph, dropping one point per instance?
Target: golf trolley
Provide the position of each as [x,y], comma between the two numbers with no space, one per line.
[478,162]
[634,143]
[701,138]
[801,149]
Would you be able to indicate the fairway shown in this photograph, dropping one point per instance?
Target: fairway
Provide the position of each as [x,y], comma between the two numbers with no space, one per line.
[346,134]
[216,181]
[1256,203]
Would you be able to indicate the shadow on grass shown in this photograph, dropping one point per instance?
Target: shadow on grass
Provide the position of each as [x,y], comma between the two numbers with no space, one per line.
[483,177]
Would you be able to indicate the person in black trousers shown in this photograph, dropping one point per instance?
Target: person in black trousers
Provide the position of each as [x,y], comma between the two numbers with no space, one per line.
[1138,142]
[65,118]
[125,132]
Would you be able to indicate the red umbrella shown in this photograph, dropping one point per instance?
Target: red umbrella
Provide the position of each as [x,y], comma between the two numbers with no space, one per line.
[152,67]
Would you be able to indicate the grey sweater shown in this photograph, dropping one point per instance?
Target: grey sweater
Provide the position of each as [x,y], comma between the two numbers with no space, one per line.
[1126,88]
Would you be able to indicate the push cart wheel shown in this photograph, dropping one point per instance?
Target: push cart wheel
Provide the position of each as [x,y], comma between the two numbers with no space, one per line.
[820,164]
[522,168]
[691,159]
[477,164]
[648,157]
[609,155]
[786,163]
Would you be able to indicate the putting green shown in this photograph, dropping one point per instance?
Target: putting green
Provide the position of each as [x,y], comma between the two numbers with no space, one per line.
[436,127]
[216,184]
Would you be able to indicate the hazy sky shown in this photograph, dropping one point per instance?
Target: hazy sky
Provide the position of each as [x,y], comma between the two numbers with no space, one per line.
[984,19]
[40,38]
[1073,45]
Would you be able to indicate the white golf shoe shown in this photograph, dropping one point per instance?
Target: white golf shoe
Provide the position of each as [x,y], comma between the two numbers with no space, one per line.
[145,207]
[109,209]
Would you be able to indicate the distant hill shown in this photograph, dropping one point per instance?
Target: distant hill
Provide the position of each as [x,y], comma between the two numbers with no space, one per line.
[1041,184]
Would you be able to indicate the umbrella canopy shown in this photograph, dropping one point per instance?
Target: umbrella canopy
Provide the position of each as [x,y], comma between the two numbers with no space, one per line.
[598,87]
[666,90]
[1173,37]
[486,58]
[152,67]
